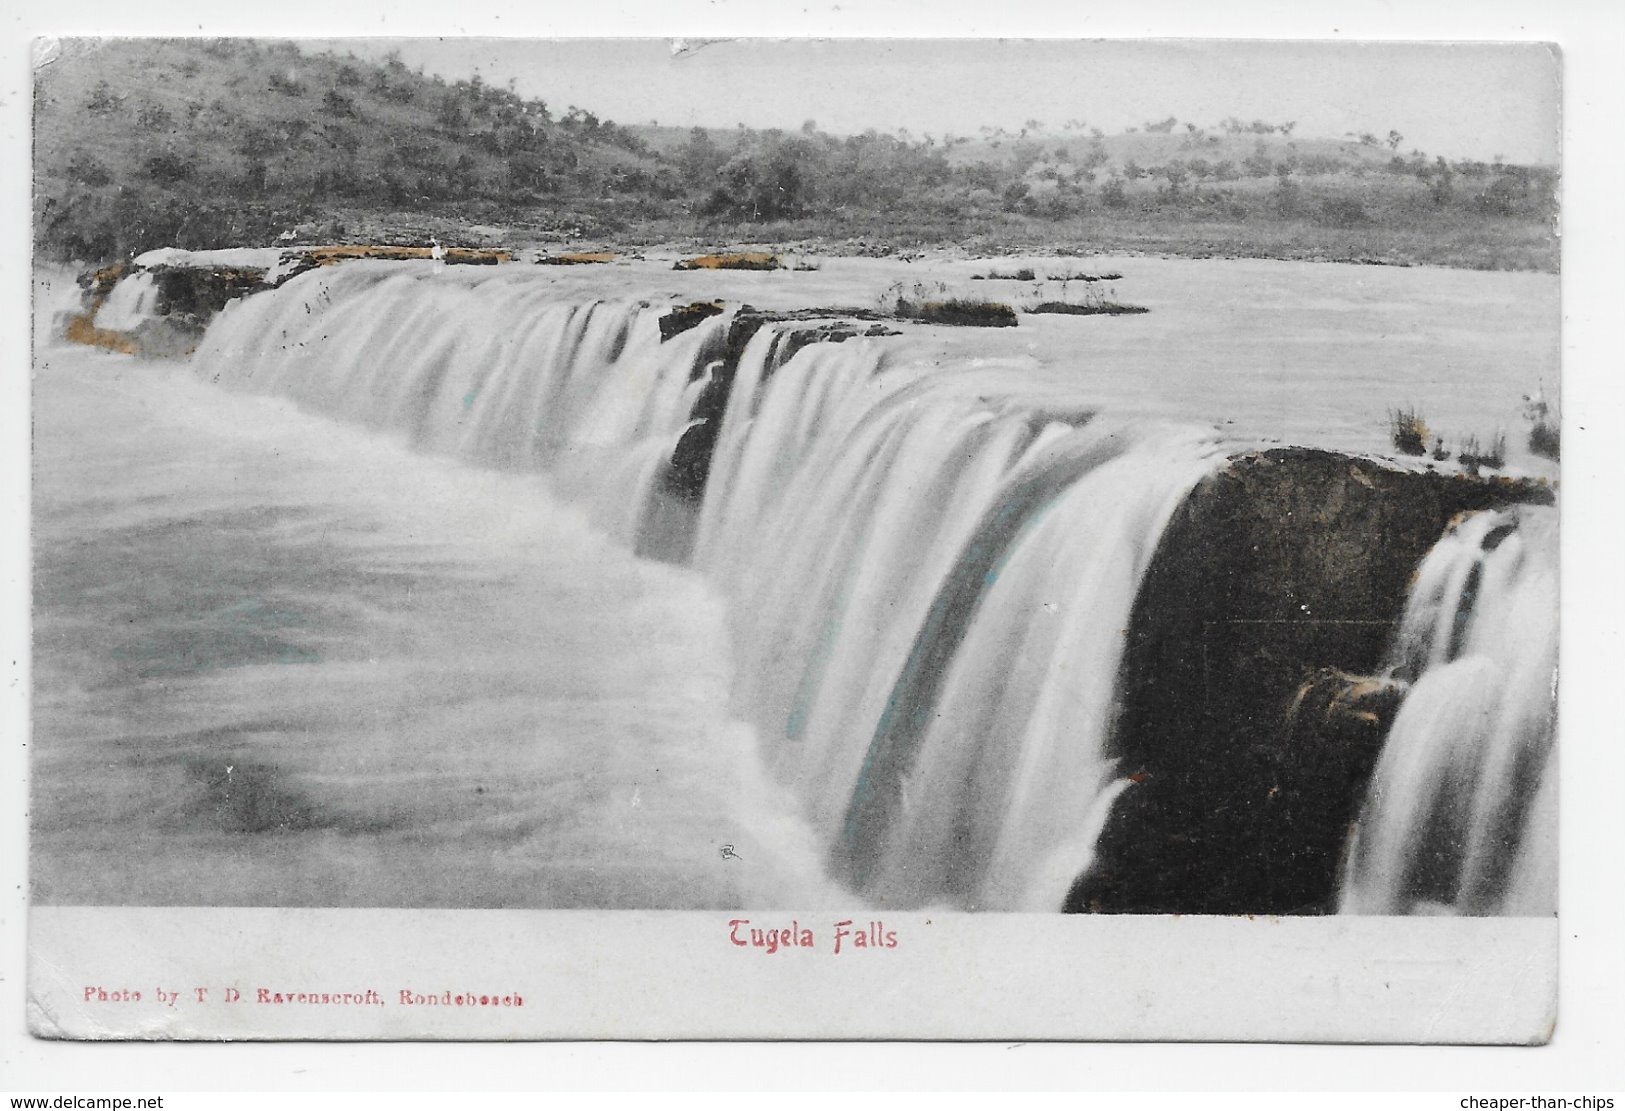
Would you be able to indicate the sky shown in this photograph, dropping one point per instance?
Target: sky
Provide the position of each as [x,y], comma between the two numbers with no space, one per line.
[1461,100]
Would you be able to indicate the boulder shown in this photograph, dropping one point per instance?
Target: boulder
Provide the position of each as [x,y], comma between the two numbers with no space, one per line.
[1252,711]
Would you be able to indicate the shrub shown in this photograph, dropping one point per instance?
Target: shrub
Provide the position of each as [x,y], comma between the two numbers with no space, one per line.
[960,312]
[1545,440]
[1097,307]
[1407,431]
[337,104]
[102,100]
[153,117]
[1545,430]
[1493,455]
[1344,212]
[168,168]
[88,170]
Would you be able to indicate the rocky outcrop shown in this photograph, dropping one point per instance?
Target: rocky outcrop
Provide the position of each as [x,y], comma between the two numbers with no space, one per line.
[1250,718]
[684,317]
[690,465]
[577,258]
[737,260]
[192,286]
[195,294]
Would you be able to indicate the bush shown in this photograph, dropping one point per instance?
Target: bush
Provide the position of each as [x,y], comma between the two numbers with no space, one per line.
[1407,431]
[1545,440]
[963,313]
[337,104]
[1493,455]
[168,168]
[1100,307]
[1545,430]
[1344,212]
[102,100]
[153,117]
[87,170]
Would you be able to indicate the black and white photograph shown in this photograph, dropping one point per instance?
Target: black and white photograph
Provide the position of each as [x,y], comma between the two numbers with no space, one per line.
[849,505]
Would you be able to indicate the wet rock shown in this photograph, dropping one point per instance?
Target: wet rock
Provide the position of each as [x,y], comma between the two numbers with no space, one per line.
[100,282]
[198,292]
[690,466]
[738,260]
[577,258]
[681,319]
[1246,722]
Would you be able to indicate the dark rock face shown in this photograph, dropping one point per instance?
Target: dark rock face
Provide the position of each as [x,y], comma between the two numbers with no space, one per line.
[99,283]
[681,319]
[195,293]
[1247,723]
[190,294]
[690,466]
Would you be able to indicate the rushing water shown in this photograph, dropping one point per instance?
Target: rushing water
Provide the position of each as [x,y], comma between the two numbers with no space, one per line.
[1461,816]
[282,662]
[344,610]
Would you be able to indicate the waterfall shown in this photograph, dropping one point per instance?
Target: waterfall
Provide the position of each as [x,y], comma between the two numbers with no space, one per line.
[1461,813]
[131,303]
[929,564]
[485,368]
[932,570]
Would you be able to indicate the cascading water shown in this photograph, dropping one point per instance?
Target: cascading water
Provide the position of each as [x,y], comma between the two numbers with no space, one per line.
[1461,813]
[490,370]
[130,304]
[930,567]
[933,592]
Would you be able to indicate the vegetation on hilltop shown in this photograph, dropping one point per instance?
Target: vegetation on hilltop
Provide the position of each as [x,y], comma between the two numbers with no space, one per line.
[202,143]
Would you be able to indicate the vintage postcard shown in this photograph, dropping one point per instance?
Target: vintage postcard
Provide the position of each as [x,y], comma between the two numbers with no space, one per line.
[812,539]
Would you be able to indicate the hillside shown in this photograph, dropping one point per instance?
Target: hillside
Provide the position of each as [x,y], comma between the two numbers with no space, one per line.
[209,143]
[142,143]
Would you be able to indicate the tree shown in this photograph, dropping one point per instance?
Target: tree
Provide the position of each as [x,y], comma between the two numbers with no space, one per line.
[699,159]
[153,117]
[102,100]
[450,115]
[767,183]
